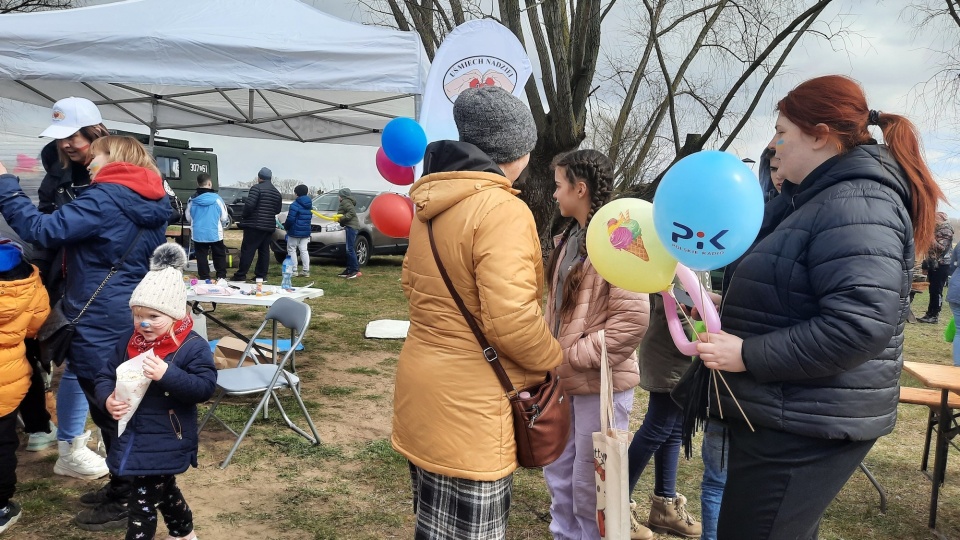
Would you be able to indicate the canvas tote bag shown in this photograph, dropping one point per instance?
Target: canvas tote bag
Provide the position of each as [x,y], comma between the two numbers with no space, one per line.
[610,461]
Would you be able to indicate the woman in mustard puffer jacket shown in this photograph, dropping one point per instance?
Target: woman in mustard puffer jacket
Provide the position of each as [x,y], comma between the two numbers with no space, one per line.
[24,306]
[451,417]
[579,305]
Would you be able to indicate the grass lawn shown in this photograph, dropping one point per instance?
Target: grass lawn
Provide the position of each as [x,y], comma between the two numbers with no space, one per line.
[355,486]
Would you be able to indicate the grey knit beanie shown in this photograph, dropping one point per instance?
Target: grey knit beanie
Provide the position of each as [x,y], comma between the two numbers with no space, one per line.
[496,122]
[162,288]
[265,174]
[345,192]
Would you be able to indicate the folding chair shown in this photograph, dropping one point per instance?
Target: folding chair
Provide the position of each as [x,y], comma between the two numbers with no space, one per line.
[267,378]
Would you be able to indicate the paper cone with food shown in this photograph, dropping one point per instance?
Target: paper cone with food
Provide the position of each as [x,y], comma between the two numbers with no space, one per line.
[131,386]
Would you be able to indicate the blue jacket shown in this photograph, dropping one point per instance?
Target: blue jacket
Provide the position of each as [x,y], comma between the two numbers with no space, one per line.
[96,229]
[821,302]
[207,214]
[299,217]
[150,444]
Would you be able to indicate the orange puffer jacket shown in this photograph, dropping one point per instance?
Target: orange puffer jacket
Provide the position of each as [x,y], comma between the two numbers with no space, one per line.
[622,314]
[451,416]
[24,306]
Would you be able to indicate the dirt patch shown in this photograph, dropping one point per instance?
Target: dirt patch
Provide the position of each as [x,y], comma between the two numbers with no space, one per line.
[329,315]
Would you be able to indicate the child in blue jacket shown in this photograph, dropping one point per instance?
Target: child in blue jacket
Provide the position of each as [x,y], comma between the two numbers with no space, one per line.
[298,226]
[160,440]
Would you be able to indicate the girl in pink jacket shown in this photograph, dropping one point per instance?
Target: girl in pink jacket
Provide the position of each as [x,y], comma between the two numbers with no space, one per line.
[580,304]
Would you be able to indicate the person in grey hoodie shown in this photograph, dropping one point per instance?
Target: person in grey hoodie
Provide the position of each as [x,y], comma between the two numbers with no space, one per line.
[207,214]
[351,224]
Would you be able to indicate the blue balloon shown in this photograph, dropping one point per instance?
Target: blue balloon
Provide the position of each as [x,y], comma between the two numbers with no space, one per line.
[708,209]
[404,141]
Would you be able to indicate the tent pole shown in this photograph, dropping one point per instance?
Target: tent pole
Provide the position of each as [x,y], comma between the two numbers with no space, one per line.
[417,103]
[153,120]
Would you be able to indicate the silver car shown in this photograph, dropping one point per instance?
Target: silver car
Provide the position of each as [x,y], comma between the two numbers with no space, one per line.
[328,239]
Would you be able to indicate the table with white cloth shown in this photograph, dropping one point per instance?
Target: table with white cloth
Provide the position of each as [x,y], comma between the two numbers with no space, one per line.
[195,300]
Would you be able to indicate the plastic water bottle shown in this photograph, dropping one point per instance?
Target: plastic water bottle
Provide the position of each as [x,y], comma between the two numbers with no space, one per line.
[286,284]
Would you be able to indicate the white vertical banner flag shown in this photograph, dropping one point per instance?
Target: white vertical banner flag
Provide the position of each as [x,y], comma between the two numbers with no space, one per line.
[481,52]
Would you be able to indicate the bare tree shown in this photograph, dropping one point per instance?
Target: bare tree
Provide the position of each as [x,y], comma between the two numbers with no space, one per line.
[27,6]
[700,70]
[566,41]
[941,18]
[696,66]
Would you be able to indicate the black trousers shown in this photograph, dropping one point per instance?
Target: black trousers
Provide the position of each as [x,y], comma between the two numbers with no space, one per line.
[120,486]
[938,280]
[152,493]
[779,484]
[255,242]
[33,409]
[9,442]
[219,259]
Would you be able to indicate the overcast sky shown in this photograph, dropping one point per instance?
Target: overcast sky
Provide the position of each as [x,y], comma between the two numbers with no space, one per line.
[889,61]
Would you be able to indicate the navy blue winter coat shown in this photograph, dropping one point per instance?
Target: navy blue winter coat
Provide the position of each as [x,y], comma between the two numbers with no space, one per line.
[821,303]
[96,229]
[299,217]
[161,438]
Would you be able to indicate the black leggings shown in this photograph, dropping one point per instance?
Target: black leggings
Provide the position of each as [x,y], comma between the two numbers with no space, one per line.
[779,484]
[152,493]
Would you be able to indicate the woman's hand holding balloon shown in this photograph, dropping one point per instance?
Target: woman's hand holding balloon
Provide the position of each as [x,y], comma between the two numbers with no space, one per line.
[721,351]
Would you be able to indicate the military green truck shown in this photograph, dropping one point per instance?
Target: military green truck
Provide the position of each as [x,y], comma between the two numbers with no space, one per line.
[179,163]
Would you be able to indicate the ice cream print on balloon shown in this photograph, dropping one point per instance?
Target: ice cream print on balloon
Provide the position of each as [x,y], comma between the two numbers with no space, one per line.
[626,235]
[623,248]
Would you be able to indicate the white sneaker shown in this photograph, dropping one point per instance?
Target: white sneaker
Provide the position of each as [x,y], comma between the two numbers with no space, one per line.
[78,461]
[41,441]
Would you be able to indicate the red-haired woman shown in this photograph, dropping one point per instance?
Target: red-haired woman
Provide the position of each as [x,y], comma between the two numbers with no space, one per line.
[815,311]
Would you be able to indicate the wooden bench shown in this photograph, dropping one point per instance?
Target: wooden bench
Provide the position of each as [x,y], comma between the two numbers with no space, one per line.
[930,398]
[927,397]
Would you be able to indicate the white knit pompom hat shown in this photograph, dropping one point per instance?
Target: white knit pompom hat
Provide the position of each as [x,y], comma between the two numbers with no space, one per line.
[162,288]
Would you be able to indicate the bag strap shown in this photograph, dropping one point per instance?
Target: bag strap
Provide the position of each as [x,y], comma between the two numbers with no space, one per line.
[488,351]
[607,414]
[113,270]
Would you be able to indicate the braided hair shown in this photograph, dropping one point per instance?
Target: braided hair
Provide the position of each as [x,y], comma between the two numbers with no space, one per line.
[596,171]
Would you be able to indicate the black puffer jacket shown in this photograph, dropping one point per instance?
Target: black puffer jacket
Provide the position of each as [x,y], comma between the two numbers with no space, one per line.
[60,184]
[261,207]
[821,304]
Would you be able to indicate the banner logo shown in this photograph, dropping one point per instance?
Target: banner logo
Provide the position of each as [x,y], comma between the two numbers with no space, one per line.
[478,71]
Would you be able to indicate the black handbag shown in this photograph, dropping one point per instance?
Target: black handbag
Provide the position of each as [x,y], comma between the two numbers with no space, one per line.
[56,333]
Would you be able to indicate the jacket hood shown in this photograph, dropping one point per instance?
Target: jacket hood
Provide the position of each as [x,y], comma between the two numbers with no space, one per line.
[871,162]
[136,191]
[446,156]
[206,199]
[304,201]
[144,182]
[444,187]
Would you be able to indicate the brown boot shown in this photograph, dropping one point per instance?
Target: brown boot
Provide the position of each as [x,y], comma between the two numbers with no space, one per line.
[637,530]
[670,516]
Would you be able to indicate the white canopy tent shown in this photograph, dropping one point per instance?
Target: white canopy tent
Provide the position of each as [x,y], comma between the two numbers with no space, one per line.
[272,69]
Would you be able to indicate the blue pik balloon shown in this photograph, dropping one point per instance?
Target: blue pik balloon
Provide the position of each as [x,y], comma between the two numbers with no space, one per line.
[404,141]
[708,209]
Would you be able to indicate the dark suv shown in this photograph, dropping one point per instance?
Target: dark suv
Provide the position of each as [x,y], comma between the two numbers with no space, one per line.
[328,239]
[234,197]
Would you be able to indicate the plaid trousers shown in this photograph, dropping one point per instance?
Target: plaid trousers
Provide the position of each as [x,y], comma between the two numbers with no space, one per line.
[459,509]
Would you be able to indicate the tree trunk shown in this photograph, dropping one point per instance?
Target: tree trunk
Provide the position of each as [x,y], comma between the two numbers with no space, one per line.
[537,187]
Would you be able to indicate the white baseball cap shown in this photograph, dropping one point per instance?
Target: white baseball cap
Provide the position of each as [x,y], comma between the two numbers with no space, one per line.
[69,115]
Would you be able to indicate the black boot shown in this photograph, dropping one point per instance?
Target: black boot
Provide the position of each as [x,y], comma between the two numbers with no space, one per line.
[108,516]
[93,499]
[929,319]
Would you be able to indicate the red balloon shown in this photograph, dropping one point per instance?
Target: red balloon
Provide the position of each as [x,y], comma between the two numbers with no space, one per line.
[391,172]
[392,214]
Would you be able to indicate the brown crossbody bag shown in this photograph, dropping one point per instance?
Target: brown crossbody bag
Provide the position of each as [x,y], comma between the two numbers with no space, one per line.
[541,412]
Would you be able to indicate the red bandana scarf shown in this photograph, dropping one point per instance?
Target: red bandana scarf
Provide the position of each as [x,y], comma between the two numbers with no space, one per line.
[164,345]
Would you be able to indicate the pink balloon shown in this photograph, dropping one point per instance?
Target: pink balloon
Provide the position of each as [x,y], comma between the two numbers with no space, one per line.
[392,214]
[391,172]
[706,308]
